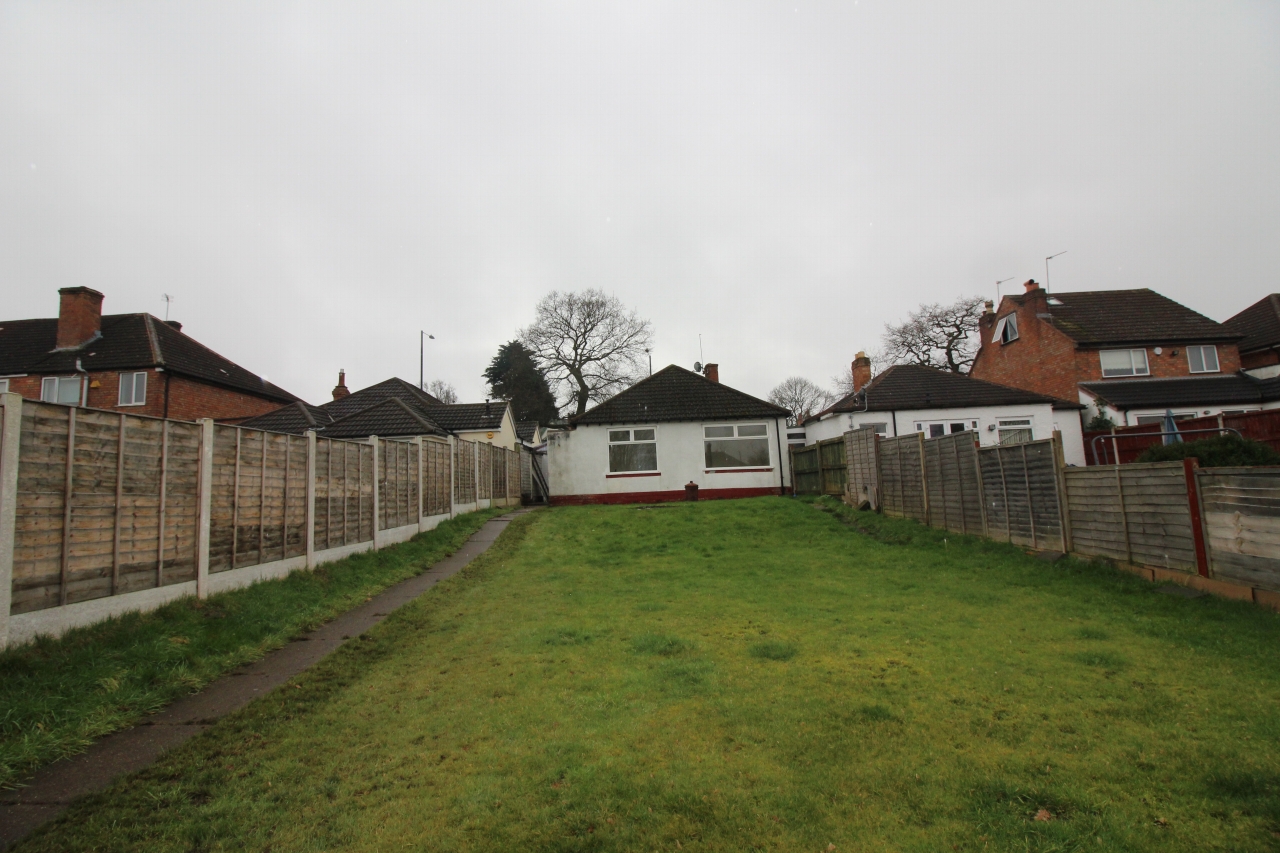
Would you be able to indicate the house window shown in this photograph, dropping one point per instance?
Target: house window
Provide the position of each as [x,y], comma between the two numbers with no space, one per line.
[1159,419]
[880,428]
[1014,431]
[633,450]
[1203,359]
[133,389]
[4,386]
[742,446]
[937,429]
[1124,362]
[60,389]
[1006,329]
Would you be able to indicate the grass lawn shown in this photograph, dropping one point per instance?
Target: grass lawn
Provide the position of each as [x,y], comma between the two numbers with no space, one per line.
[745,675]
[57,696]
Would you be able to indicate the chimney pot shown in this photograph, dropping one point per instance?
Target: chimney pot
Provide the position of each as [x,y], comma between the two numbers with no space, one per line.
[340,390]
[988,307]
[79,316]
[712,372]
[861,371]
[1032,286]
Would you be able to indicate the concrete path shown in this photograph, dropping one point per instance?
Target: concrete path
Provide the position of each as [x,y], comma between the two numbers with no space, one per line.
[54,787]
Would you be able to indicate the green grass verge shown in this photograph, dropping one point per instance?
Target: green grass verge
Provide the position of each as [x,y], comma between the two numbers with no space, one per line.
[744,675]
[58,696]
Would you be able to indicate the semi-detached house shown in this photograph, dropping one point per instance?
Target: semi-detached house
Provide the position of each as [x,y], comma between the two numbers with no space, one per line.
[1131,355]
[133,363]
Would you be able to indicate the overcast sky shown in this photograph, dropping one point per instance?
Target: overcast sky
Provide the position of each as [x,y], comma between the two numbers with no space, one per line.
[315,182]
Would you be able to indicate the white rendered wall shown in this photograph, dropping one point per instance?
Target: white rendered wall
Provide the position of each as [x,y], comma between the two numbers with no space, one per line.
[578,461]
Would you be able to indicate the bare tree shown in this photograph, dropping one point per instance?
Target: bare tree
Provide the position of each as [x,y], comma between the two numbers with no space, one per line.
[800,397]
[590,345]
[442,391]
[941,336]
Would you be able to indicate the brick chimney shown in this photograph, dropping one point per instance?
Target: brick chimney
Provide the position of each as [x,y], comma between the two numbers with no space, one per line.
[861,371]
[79,316]
[1036,297]
[173,324]
[340,390]
[1031,285]
[712,372]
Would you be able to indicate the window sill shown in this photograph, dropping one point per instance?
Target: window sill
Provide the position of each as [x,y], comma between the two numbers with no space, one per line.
[735,470]
[129,405]
[633,474]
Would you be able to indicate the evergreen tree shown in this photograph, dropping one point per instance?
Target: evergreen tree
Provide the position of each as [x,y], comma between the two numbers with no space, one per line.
[515,376]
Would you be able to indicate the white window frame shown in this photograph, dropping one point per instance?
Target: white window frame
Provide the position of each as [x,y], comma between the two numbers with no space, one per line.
[1203,350]
[926,427]
[132,381]
[1158,417]
[1007,323]
[631,440]
[4,386]
[1133,369]
[736,436]
[56,382]
[1015,423]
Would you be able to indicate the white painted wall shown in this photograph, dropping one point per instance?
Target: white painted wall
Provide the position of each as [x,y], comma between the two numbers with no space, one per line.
[1130,417]
[1044,420]
[578,460]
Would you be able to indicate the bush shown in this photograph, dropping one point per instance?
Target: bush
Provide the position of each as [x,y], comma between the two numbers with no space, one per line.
[1221,451]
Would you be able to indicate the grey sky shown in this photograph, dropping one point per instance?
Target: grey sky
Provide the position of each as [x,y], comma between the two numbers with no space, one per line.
[314,182]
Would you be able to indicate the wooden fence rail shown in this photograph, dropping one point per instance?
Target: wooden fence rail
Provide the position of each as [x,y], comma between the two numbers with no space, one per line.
[1241,512]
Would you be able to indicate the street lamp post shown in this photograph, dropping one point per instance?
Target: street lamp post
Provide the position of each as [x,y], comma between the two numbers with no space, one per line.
[422,358]
[1046,269]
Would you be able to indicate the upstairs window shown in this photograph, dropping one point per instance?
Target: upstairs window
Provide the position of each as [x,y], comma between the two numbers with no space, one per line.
[1124,362]
[1006,329]
[633,450]
[1203,359]
[742,446]
[61,389]
[133,389]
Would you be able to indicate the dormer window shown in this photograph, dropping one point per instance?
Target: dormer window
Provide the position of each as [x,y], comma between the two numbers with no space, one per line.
[1006,329]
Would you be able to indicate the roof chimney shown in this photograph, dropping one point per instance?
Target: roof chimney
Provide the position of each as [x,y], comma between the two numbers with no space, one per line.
[861,371]
[988,307]
[173,324]
[1031,286]
[79,316]
[340,390]
[712,372]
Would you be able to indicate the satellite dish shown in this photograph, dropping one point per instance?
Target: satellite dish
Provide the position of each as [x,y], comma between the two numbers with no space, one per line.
[697,367]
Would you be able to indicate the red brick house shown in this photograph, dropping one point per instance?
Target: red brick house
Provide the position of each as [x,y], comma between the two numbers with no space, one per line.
[1259,328]
[1102,346]
[132,363]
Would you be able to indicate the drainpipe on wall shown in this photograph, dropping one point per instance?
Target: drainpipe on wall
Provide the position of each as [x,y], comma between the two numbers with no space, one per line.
[84,384]
[782,480]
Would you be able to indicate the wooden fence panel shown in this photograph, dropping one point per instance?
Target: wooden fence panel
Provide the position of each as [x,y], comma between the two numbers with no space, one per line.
[862,457]
[902,489]
[835,467]
[397,484]
[806,470]
[464,471]
[343,493]
[498,464]
[1138,513]
[106,504]
[954,488]
[436,477]
[484,471]
[258,497]
[515,474]
[1020,488]
[1242,524]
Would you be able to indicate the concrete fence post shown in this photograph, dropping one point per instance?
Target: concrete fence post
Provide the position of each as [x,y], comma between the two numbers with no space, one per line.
[204,507]
[453,475]
[377,490]
[10,435]
[311,499]
[421,461]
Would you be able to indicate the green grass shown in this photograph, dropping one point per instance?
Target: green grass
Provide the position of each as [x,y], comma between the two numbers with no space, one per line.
[57,696]
[745,675]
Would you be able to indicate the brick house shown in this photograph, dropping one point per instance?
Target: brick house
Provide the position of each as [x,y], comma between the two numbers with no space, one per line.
[1078,345]
[132,363]
[1259,328]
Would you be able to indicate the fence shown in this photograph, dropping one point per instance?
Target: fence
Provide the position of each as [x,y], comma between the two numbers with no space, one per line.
[1215,525]
[822,467]
[102,512]
[1125,444]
